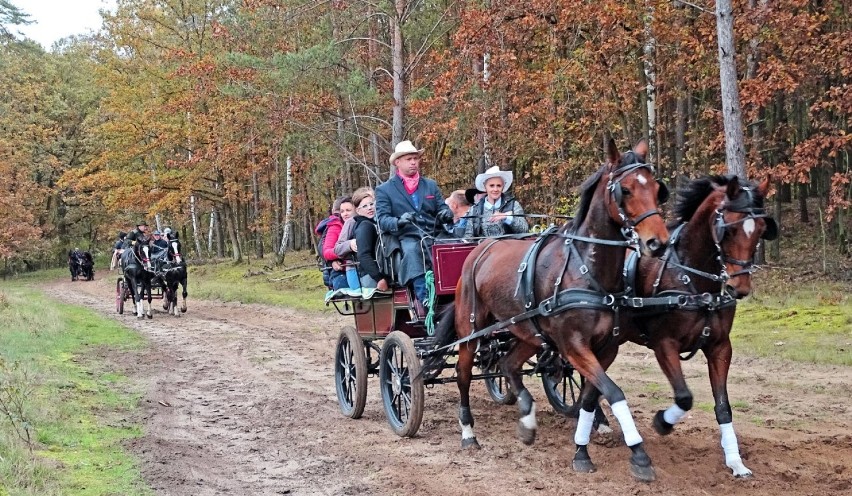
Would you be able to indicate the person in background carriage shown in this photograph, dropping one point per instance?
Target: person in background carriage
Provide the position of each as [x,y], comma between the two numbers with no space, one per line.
[329,230]
[497,213]
[159,250]
[117,248]
[412,208]
[75,260]
[138,235]
[366,236]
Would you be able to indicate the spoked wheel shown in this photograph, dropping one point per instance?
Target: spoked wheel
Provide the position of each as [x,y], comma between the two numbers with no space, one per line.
[119,296]
[498,387]
[562,385]
[350,373]
[402,388]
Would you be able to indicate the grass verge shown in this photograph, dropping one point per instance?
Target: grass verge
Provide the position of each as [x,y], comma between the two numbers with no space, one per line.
[65,414]
[803,322]
[296,284]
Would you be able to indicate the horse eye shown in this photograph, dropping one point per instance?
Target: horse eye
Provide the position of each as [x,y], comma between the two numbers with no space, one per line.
[625,191]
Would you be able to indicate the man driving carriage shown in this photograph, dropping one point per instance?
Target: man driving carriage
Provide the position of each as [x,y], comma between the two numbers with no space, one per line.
[412,208]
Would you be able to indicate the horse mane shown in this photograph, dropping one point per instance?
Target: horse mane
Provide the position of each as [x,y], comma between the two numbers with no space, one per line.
[587,191]
[691,196]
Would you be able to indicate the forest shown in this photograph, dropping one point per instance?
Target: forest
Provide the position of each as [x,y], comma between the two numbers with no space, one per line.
[236,123]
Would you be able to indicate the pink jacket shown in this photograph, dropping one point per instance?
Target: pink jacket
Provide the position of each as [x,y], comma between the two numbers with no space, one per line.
[333,229]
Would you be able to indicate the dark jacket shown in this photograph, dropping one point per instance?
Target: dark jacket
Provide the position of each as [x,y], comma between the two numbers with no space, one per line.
[366,236]
[391,202]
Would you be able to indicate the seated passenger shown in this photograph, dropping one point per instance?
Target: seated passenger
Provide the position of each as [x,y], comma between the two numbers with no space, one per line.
[341,211]
[346,247]
[457,201]
[366,236]
[497,213]
[412,208]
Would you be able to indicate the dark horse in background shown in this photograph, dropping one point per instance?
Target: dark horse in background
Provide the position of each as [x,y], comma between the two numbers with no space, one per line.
[579,271]
[87,266]
[173,273]
[686,299]
[137,271]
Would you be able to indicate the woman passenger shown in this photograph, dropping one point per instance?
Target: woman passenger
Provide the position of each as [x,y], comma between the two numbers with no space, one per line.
[366,236]
[342,210]
[497,213]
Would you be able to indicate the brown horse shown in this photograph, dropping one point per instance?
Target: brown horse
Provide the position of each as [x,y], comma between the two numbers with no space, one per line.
[577,278]
[685,300]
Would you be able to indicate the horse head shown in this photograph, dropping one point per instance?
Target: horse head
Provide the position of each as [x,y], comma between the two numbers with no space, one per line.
[634,196]
[143,252]
[174,250]
[739,223]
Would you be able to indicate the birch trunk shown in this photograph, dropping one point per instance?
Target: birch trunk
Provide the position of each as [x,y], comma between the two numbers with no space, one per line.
[194,216]
[731,109]
[648,64]
[285,240]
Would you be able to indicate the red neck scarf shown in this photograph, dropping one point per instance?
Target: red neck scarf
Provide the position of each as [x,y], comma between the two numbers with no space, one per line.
[410,183]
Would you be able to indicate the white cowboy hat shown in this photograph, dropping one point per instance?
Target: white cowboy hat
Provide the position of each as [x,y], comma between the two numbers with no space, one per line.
[495,171]
[404,148]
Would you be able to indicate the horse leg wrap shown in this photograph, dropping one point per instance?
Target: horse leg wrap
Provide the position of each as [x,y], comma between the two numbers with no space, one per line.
[466,422]
[732,451]
[664,421]
[584,428]
[625,420]
[527,424]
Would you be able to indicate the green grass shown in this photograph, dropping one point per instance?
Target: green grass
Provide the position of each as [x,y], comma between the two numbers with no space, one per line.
[804,323]
[260,281]
[76,407]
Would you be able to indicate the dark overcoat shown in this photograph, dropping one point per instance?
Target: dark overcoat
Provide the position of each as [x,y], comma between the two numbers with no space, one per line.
[391,202]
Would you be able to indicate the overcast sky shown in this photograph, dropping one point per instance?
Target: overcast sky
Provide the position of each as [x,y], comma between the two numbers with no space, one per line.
[55,19]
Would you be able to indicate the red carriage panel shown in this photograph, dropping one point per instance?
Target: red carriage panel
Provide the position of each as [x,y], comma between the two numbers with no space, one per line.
[448,260]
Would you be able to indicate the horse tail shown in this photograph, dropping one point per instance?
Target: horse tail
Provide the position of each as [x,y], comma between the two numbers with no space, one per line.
[445,333]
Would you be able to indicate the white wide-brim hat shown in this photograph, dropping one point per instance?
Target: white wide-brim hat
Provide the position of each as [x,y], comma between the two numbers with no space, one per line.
[495,171]
[404,148]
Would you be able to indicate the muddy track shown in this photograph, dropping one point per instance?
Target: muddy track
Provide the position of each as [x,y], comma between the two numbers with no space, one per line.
[240,400]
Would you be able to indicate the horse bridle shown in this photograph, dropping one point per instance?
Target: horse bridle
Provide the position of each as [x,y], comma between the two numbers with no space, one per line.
[613,185]
[720,227]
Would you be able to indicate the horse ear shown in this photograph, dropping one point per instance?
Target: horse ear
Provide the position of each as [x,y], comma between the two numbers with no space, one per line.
[763,187]
[733,188]
[612,154]
[641,148]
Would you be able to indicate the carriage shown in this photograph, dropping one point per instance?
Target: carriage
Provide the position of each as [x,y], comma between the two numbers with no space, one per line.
[122,292]
[389,340]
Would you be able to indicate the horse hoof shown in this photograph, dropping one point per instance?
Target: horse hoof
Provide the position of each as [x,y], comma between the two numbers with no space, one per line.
[150,316]
[584,466]
[662,427]
[643,473]
[182,309]
[526,435]
[470,444]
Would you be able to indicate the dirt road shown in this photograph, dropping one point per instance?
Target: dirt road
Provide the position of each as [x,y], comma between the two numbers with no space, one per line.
[240,400]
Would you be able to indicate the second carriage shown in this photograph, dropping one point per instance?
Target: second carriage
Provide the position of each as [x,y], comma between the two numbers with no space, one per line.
[390,340]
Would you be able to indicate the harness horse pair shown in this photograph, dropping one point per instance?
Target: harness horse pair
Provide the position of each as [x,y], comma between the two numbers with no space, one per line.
[563,297]
[142,271]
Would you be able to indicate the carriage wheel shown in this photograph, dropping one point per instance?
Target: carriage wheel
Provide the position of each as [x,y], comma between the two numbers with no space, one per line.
[402,388]
[498,387]
[350,373]
[562,385]
[119,296]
